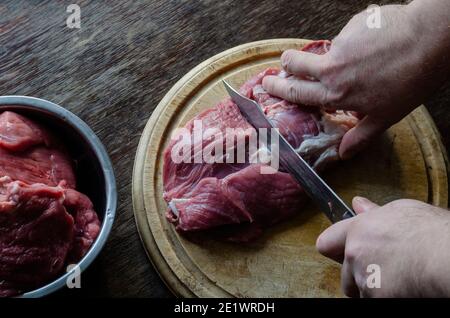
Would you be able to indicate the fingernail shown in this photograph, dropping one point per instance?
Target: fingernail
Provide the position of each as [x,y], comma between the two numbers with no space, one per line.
[284,58]
[361,204]
[267,82]
[360,200]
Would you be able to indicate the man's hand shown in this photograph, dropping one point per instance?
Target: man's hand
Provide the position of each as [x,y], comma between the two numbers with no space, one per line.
[409,241]
[382,73]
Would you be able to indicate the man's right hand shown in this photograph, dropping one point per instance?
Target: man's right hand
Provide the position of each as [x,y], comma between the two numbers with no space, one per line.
[407,239]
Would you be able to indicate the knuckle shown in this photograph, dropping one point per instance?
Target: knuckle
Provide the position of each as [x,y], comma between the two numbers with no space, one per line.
[337,90]
[330,65]
[326,68]
[287,59]
[404,203]
[335,78]
[293,93]
[325,98]
[397,203]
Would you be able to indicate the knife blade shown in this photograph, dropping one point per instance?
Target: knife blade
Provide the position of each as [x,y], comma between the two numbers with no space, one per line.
[314,186]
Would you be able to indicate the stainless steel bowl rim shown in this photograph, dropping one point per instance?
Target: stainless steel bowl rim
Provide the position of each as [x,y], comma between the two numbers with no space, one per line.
[111,191]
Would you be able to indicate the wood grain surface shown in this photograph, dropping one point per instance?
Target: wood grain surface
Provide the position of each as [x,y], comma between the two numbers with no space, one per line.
[116,68]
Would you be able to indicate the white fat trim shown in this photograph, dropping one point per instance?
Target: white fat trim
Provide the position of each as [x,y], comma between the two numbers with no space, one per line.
[173,207]
[332,126]
[283,74]
[331,135]
[259,89]
[15,188]
[5,179]
[318,143]
[330,154]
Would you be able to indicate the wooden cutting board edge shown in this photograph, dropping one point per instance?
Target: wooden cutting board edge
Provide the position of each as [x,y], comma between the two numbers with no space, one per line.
[227,60]
[434,151]
[434,154]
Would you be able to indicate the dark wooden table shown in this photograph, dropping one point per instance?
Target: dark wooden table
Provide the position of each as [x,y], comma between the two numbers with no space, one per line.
[114,70]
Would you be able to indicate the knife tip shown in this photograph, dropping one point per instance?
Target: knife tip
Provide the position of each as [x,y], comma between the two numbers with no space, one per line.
[228,87]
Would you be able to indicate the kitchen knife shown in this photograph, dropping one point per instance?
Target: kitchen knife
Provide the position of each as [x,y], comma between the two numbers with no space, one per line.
[328,201]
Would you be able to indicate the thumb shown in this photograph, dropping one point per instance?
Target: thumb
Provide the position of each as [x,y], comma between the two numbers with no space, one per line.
[359,136]
[362,205]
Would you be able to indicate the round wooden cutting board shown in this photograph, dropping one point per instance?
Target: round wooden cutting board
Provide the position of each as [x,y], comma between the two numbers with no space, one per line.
[408,161]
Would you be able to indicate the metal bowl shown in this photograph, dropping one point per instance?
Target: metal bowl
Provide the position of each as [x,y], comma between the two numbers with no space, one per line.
[94,169]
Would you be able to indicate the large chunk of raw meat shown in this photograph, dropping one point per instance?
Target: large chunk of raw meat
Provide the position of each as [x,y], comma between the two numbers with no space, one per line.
[236,200]
[36,234]
[29,153]
[37,165]
[45,223]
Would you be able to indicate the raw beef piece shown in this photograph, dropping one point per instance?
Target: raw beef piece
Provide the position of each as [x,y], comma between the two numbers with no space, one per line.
[45,224]
[18,133]
[36,234]
[29,153]
[37,165]
[236,201]
[87,224]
